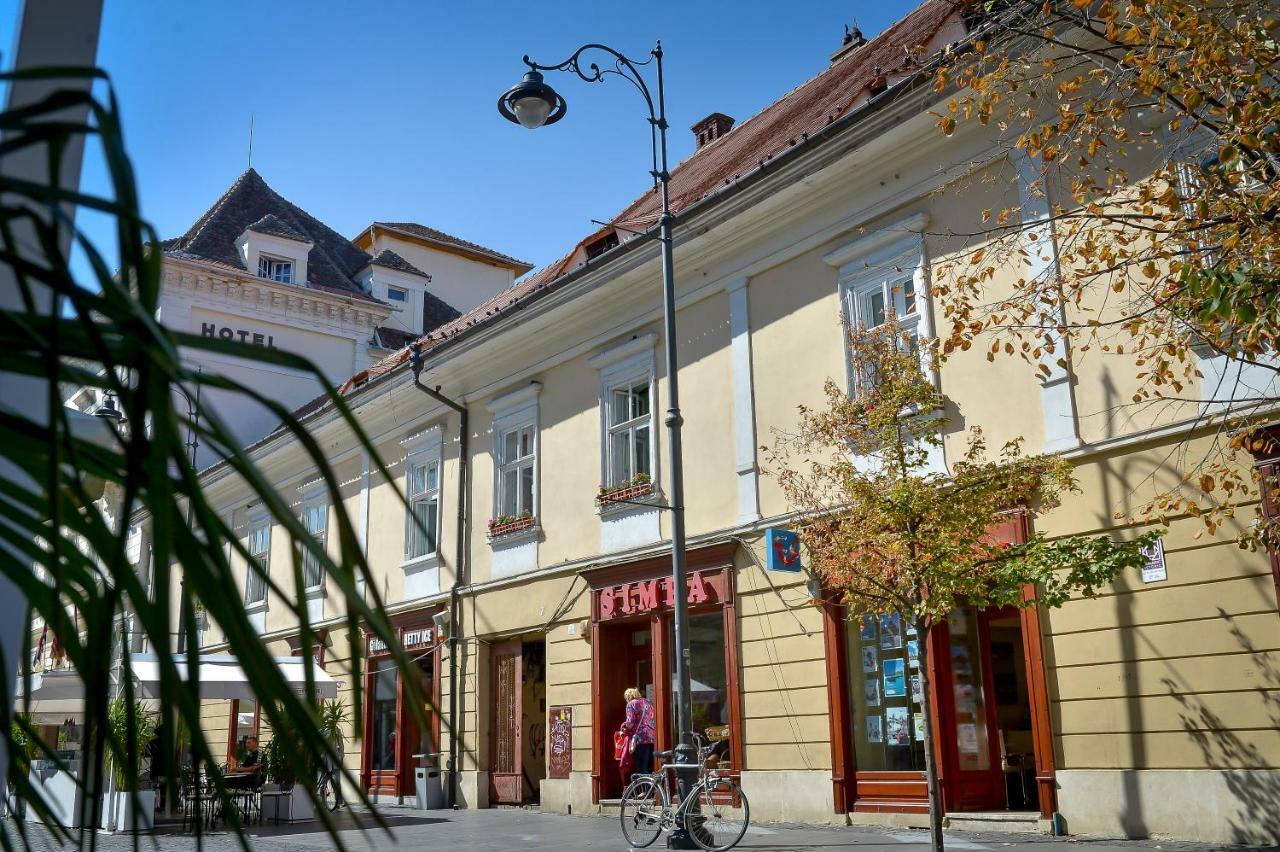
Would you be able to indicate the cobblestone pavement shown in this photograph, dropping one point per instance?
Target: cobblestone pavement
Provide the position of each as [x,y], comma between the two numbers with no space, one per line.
[530,831]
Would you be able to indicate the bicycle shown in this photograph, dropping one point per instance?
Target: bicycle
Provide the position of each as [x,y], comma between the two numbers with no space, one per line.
[329,787]
[708,811]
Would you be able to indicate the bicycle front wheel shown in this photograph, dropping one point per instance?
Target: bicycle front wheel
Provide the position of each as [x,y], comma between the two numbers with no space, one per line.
[644,807]
[718,817]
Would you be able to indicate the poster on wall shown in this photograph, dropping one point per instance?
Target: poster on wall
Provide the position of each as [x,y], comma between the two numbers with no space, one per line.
[968,737]
[875,732]
[872,692]
[913,653]
[890,631]
[560,760]
[870,663]
[897,722]
[917,694]
[918,719]
[868,632]
[895,682]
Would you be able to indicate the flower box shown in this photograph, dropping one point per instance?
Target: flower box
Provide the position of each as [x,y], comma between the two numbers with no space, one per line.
[497,530]
[623,494]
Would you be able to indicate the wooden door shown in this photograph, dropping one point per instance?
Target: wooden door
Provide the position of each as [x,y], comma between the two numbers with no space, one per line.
[977,779]
[506,772]
[627,655]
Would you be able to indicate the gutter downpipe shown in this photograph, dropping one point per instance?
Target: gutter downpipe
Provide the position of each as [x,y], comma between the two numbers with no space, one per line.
[455,691]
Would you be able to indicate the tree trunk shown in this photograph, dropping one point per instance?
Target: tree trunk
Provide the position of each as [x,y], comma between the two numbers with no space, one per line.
[930,755]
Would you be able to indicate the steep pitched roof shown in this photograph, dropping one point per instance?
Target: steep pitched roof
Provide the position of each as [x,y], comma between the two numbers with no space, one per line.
[422,232]
[332,263]
[856,76]
[389,259]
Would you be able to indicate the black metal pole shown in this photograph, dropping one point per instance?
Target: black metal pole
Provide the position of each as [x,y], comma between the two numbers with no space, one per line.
[455,690]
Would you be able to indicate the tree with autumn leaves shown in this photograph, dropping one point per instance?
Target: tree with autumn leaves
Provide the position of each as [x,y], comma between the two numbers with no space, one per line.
[892,534]
[1151,129]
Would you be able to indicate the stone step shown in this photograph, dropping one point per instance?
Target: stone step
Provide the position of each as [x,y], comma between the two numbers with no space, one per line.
[1014,822]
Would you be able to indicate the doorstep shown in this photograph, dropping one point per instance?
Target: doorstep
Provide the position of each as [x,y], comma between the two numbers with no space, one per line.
[1013,822]
[610,807]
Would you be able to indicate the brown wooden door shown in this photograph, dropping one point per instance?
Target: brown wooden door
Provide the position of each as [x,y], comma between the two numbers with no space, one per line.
[977,779]
[627,653]
[506,772]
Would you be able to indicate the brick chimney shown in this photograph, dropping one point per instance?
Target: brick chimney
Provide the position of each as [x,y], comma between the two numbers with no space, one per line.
[712,128]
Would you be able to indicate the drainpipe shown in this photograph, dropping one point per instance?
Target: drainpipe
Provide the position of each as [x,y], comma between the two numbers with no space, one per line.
[455,689]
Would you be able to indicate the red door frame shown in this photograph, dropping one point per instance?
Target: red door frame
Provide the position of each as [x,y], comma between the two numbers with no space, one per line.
[400,781]
[905,792]
[715,566]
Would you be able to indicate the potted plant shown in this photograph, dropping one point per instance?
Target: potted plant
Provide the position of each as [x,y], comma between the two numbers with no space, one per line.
[507,524]
[128,807]
[24,749]
[281,802]
[629,489]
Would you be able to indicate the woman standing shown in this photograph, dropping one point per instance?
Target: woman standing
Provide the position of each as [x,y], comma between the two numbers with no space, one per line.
[638,724]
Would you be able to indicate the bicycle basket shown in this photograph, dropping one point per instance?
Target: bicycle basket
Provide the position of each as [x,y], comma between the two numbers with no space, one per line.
[716,733]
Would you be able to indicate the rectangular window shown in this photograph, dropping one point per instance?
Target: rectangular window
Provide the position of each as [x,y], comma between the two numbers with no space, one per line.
[275,269]
[255,584]
[315,518]
[867,305]
[395,294]
[885,695]
[421,534]
[629,426]
[516,460]
[382,725]
[244,727]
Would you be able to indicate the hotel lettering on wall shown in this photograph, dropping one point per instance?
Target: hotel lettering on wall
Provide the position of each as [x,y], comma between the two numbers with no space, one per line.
[226,332]
[642,596]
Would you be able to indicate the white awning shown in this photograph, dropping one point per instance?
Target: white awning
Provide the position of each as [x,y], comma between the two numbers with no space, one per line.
[221,676]
[61,692]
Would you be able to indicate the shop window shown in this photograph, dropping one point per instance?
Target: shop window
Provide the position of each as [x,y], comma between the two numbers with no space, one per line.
[255,585]
[885,695]
[315,519]
[382,724]
[708,675]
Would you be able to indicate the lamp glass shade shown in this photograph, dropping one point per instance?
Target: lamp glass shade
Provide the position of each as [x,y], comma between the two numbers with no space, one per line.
[531,111]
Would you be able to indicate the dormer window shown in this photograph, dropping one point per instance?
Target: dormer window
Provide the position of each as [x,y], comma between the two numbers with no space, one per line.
[275,269]
[395,294]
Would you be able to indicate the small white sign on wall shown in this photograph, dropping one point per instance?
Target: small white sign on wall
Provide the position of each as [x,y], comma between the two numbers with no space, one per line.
[1154,571]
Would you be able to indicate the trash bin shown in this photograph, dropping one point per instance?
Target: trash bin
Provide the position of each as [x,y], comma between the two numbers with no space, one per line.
[426,777]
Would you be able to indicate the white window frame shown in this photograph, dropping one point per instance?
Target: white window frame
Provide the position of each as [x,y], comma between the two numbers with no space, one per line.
[877,264]
[257,524]
[268,264]
[628,365]
[314,497]
[422,450]
[515,412]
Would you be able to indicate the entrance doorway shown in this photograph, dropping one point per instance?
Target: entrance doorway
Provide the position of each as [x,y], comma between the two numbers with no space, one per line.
[517,737]
[631,653]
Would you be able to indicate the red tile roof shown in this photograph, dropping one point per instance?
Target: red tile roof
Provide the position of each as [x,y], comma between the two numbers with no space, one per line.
[852,79]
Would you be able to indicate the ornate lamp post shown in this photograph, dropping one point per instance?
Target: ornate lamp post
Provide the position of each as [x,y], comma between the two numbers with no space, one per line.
[532,103]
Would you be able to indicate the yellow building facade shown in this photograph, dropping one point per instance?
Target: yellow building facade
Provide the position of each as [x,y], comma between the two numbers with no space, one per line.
[1148,710]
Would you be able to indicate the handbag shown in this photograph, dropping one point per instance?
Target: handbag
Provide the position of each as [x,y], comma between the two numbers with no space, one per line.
[622,752]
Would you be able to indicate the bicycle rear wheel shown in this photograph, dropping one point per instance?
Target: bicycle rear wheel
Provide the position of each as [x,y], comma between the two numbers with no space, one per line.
[718,816]
[644,806]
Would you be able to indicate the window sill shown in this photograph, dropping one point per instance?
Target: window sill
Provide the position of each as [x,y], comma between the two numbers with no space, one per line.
[513,534]
[636,497]
[261,606]
[420,563]
[313,592]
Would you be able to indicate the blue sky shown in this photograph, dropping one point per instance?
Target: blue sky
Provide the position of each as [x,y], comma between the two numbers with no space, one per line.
[386,110]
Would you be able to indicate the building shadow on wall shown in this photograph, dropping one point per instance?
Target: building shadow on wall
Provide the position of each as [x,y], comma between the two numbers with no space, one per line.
[1255,821]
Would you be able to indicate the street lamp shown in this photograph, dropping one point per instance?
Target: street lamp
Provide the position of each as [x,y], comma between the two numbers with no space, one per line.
[532,103]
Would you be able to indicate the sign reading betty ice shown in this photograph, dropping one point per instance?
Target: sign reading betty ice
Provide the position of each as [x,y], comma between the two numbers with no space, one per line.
[648,595]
